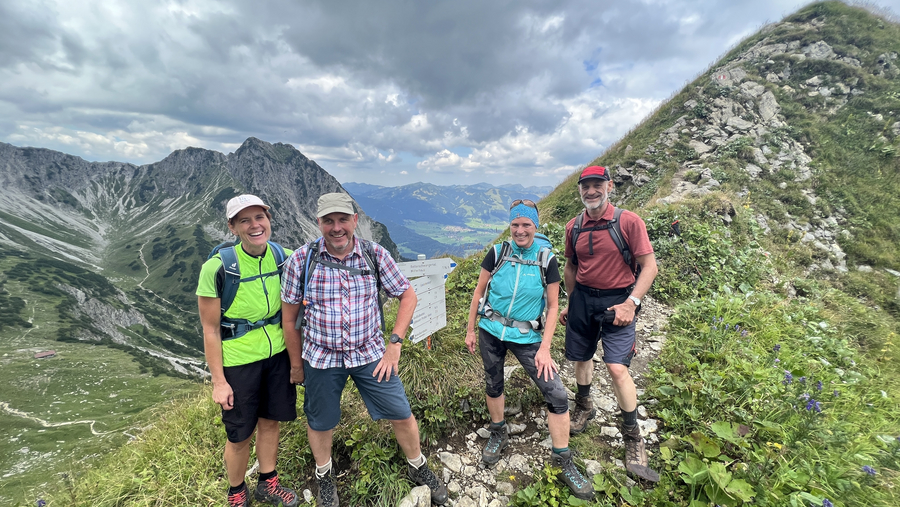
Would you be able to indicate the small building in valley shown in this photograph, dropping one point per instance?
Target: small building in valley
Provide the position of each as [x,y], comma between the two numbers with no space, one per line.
[45,354]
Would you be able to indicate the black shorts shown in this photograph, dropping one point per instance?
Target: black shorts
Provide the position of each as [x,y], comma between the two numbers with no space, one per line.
[261,390]
[587,325]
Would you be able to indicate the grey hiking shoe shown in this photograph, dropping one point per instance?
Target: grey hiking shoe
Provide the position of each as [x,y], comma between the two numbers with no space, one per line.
[636,462]
[327,496]
[496,443]
[573,477]
[239,499]
[583,412]
[273,493]
[423,476]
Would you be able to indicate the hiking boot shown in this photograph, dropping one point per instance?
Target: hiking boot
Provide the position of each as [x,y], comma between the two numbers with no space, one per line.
[239,499]
[327,496]
[423,476]
[270,491]
[496,443]
[636,462]
[583,412]
[577,483]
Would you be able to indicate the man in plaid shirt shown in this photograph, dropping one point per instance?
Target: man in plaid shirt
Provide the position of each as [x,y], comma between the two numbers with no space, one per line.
[342,338]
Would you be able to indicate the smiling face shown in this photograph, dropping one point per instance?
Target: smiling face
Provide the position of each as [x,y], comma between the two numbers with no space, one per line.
[252,227]
[594,193]
[522,231]
[337,229]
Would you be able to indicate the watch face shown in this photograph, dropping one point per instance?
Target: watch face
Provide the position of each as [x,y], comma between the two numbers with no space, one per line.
[396,338]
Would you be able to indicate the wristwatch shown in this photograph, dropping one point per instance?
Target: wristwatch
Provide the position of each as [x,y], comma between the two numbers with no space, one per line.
[636,301]
[395,338]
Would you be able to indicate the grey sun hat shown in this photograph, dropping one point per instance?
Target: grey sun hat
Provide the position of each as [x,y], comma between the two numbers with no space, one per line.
[334,203]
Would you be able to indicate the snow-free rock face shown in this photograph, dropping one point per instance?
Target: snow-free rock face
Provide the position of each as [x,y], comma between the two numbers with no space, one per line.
[101,201]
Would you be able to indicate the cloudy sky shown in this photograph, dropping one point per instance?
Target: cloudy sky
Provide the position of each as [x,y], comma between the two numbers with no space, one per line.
[376,91]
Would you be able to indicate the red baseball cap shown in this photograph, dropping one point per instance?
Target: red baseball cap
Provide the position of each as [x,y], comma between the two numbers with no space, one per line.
[594,171]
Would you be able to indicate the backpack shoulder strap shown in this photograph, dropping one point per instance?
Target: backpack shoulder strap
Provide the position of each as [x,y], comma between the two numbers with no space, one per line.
[232,279]
[615,232]
[501,257]
[576,230]
[279,253]
[368,250]
[544,256]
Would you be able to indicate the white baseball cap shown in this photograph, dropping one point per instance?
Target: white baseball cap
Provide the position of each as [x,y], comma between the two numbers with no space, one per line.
[236,204]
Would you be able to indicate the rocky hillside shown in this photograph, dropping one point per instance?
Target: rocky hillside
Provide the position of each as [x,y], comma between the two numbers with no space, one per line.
[800,123]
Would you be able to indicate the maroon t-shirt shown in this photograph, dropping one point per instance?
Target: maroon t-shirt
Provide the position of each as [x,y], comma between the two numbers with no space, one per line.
[606,269]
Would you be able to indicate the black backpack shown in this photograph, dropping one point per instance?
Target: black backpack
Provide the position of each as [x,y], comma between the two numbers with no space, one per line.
[615,232]
[312,259]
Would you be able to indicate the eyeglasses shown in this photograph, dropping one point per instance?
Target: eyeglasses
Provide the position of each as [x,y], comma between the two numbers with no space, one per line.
[526,202]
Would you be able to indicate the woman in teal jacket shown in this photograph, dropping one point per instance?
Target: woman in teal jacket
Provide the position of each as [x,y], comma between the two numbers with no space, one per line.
[511,304]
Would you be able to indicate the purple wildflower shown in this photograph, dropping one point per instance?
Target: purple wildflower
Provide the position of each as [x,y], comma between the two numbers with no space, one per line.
[715,328]
[777,347]
[814,405]
[819,385]
[41,502]
[805,396]
[777,360]
[802,380]
[788,378]
[869,470]
[838,393]
[721,319]
[827,503]
[744,332]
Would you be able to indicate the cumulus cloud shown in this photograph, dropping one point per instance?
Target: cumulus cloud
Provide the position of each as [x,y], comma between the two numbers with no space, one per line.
[379,91]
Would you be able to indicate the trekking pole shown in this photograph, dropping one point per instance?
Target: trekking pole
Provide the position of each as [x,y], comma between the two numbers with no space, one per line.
[676,228]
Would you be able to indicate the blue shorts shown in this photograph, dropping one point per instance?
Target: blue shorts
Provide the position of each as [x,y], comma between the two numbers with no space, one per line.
[322,403]
[586,326]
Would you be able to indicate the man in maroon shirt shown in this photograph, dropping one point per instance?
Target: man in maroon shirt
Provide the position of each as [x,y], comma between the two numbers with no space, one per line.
[604,296]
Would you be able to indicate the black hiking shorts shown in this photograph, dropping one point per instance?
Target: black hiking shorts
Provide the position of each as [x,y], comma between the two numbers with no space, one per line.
[589,324]
[262,390]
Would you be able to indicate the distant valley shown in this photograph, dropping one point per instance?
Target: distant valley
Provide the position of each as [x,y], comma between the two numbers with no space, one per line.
[437,220]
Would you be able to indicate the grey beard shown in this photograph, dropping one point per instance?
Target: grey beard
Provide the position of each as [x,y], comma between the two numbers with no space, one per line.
[590,207]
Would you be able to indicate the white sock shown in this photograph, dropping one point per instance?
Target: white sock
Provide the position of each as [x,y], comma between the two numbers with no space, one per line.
[324,469]
[417,462]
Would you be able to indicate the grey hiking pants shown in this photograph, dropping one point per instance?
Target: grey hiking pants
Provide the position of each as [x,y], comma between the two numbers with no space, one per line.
[493,355]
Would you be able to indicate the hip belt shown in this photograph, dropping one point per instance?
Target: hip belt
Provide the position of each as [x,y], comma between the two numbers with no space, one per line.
[235,328]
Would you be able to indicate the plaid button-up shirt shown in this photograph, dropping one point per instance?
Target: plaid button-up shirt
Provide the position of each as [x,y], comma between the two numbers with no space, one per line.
[343,325]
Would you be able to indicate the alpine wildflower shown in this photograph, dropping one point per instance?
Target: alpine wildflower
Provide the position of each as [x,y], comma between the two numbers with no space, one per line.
[802,380]
[819,385]
[788,378]
[827,503]
[777,347]
[869,470]
[814,405]
[836,393]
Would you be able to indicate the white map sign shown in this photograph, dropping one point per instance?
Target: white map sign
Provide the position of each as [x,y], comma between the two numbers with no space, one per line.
[427,278]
